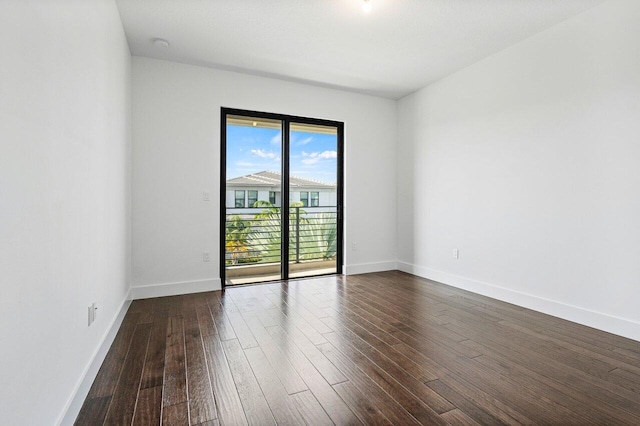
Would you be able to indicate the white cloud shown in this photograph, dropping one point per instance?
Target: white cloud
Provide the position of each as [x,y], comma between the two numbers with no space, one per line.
[263,154]
[315,157]
[244,164]
[305,141]
[276,139]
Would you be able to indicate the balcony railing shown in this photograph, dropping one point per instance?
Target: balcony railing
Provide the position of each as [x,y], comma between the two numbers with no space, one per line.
[253,236]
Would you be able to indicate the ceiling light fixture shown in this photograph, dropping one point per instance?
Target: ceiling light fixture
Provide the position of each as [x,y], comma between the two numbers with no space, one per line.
[366,6]
[160,42]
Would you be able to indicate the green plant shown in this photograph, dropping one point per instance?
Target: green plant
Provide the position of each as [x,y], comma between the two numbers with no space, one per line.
[266,231]
[259,239]
[237,231]
[318,237]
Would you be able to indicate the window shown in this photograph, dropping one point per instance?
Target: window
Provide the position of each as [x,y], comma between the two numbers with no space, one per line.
[239,199]
[253,197]
[304,199]
[272,197]
[315,199]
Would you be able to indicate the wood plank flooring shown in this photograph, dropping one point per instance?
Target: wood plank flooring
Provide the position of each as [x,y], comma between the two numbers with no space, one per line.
[384,348]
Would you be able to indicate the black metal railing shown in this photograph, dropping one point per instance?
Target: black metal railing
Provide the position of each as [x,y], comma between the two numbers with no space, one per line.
[253,236]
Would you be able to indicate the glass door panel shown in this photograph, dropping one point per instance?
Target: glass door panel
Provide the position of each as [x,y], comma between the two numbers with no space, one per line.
[313,199]
[253,225]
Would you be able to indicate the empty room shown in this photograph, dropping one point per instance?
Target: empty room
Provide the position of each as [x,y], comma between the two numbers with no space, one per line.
[320,212]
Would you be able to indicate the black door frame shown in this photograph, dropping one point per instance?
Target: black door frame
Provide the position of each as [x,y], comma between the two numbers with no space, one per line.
[286,124]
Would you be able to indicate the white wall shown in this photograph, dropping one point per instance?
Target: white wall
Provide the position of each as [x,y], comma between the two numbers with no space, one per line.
[176,156]
[528,163]
[64,197]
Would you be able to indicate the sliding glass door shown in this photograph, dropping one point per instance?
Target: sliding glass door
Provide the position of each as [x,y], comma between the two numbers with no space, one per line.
[281,197]
[253,199]
[313,211]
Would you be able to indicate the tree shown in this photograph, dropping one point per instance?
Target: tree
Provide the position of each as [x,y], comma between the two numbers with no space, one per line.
[237,232]
[259,239]
[267,233]
[318,237]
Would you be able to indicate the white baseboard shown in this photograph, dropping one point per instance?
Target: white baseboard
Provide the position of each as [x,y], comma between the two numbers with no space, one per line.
[174,289]
[365,268]
[73,406]
[621,326]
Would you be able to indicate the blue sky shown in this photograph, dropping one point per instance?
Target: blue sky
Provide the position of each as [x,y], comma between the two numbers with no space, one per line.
[254,149]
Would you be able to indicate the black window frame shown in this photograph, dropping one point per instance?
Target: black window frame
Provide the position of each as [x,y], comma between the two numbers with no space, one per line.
[305,203]
[244,200]
[316,199]
[286,125]
[249,198]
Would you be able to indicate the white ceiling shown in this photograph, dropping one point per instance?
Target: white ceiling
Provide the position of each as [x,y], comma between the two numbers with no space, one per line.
[400,47]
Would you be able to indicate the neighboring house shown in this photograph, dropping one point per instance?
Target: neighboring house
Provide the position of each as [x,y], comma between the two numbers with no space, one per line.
[244,191]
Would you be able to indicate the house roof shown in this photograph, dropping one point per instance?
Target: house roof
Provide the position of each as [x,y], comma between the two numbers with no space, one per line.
[271,178]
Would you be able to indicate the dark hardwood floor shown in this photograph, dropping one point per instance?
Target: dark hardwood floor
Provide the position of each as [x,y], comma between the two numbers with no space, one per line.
[384,348]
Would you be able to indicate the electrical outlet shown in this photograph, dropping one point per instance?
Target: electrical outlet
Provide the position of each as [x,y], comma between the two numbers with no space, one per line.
[354,247]
[456,254]
[94,305]
[206,257]
[206,196]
